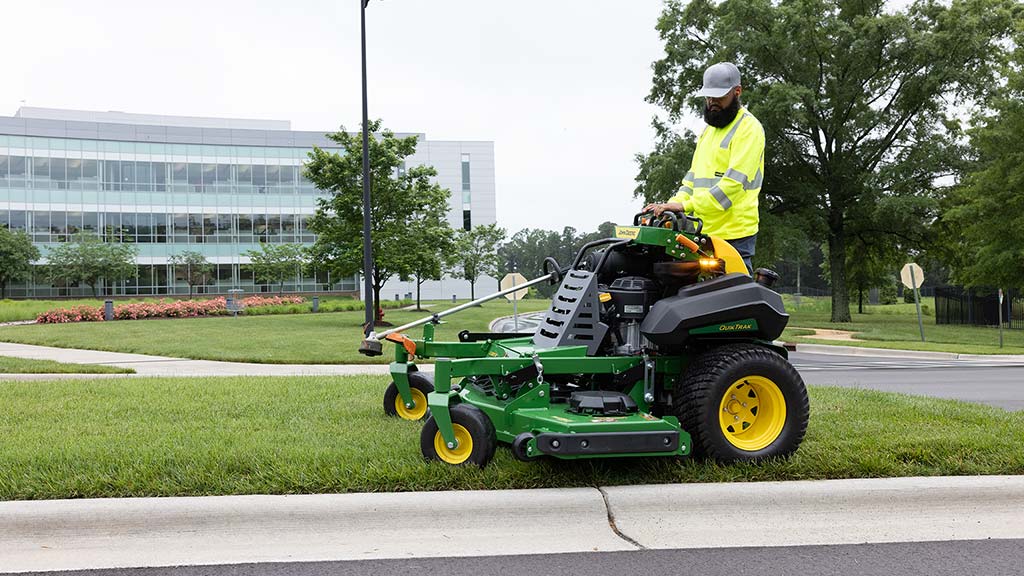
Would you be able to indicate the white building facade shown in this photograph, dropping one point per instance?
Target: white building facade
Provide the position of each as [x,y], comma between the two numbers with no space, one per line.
[213,185]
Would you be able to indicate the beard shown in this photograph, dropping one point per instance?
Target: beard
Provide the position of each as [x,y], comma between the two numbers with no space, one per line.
[722,118]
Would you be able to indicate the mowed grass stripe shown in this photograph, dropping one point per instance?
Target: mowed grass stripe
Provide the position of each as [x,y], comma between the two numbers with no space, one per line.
[9,365]
[203,436]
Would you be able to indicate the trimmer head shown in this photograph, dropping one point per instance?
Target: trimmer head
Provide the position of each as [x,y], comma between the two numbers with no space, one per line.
[371,346]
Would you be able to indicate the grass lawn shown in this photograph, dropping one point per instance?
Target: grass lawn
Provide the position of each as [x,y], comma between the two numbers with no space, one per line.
[200,436]
[895,326]
[10,365]
[329,338]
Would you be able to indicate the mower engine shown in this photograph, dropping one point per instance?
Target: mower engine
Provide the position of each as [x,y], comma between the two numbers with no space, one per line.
[627,303]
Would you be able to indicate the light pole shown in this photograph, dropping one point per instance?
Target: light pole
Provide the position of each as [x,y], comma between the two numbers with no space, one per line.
[371,315]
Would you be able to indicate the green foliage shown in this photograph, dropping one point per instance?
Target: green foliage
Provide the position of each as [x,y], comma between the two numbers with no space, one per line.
[887,293]
[16,256]
[857,101]
[401,197]
[529,247]
[88,259]
[476,254]
[988,208]
[430,242]
[193,266]
[661,171]
[277,263]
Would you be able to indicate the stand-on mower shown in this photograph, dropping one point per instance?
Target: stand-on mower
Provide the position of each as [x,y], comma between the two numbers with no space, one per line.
[657,343]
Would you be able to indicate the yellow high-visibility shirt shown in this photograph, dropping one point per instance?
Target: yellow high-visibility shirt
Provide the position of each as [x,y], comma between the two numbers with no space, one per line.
[725,178]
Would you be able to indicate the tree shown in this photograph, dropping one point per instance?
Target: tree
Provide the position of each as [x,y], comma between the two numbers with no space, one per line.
[276,263]
[431,242]
[476,254]
[661,171]
[16,256]
[988,208]
[398,194]
[86,258]
[197,267]
[857,101]
[529,247]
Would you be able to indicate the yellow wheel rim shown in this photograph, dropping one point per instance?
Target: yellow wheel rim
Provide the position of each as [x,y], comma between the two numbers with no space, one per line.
[419,407]
[460,453]
[752,413]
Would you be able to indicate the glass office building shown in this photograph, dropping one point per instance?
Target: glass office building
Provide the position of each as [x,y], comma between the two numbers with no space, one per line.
[217,186]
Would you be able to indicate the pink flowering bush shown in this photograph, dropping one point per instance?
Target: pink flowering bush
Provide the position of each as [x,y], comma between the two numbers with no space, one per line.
[162,309]
[73,314]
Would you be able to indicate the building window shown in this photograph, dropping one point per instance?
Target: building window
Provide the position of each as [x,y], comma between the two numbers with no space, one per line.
[465,172]
[466,220]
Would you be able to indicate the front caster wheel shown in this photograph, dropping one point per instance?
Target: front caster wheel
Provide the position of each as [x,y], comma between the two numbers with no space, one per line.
[420,386]
[521,447]
[474,434]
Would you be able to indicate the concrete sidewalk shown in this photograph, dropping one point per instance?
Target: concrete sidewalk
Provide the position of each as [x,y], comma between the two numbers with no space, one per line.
[111,533]
[163,366]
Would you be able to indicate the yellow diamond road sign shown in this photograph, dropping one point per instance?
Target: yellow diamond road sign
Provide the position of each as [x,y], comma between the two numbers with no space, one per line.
[512,280]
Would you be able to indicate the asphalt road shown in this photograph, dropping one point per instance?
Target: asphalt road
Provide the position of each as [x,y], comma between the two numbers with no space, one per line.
[989,557]
[985,381]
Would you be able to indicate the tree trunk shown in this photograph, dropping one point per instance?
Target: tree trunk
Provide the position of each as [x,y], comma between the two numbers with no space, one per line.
[418,284]
[376,303]
[837,269]
[860,299]
[190,291]
[472,289]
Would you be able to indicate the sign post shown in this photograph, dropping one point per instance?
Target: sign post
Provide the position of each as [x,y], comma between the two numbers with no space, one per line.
[512,280]
[912,276]
[1000,317]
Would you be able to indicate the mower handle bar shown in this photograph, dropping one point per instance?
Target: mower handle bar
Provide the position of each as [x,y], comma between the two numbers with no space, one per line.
[674,216]
[462,307]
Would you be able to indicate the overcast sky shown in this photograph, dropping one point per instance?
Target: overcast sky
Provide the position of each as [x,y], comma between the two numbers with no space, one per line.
[558,85]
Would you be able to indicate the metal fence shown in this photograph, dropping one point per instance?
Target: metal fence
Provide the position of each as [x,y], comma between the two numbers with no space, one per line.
[978,306]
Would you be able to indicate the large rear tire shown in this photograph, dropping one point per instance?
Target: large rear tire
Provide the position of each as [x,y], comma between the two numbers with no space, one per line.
[742,403]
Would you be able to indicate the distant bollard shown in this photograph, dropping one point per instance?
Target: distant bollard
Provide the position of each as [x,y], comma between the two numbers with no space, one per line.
[453,298]
[316,303]
[108,310]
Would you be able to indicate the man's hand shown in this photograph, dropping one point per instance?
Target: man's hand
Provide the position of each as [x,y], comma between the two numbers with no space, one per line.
[659,208]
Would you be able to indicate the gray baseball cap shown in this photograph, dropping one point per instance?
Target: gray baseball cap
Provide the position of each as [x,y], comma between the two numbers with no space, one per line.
[719,79]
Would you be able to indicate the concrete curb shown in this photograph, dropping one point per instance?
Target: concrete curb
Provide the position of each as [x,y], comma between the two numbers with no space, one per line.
[137,532]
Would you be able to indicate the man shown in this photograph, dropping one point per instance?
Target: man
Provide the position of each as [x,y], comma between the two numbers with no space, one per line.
[725,174]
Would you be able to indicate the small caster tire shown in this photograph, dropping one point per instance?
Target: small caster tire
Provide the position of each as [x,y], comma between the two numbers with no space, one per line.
[520,446]
[420,386]
[473,431]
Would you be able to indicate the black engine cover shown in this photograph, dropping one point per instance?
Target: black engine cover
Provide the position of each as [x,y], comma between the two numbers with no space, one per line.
[730,298]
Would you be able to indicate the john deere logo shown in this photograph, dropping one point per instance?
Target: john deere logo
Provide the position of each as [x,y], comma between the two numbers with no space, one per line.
[626,231]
